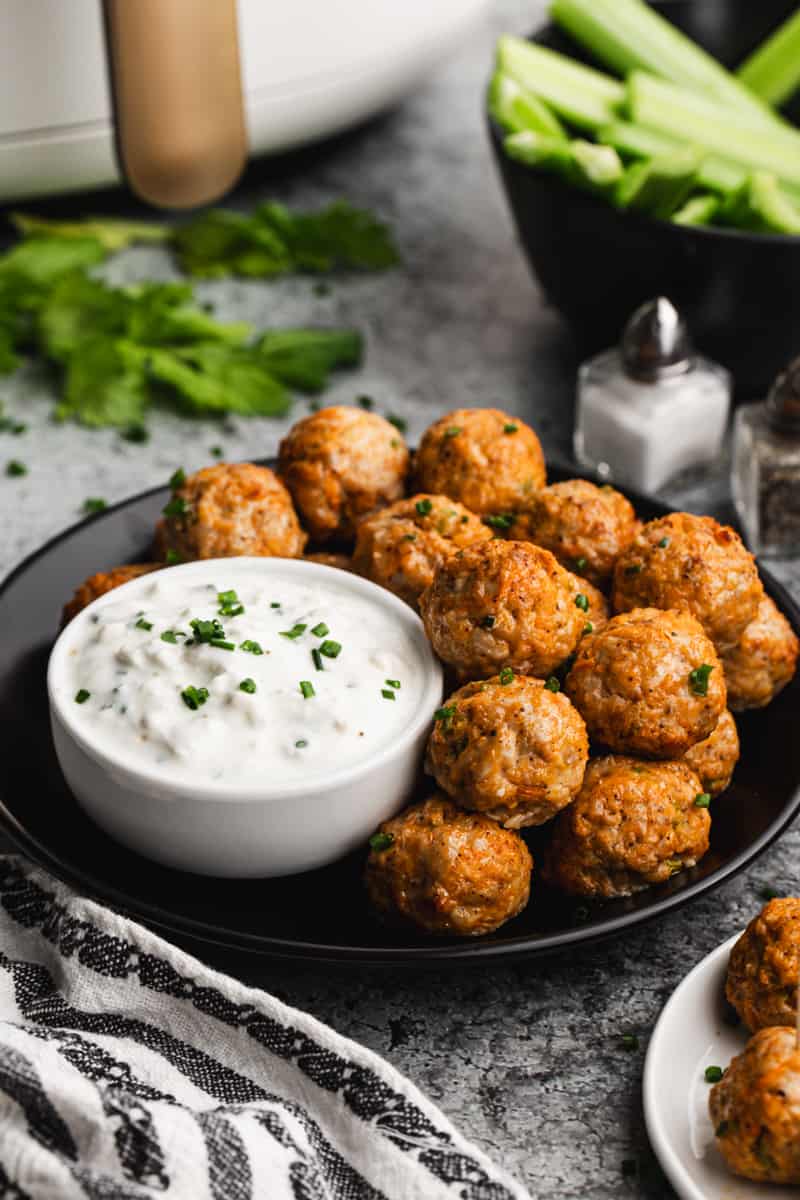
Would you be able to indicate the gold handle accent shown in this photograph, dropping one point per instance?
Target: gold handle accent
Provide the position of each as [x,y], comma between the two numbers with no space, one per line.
[178,107]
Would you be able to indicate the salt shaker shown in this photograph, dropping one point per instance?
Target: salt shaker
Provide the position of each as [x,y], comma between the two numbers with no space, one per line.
[650,407]
[765,472]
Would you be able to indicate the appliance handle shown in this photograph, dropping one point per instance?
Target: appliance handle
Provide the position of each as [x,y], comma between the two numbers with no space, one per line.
[177,88]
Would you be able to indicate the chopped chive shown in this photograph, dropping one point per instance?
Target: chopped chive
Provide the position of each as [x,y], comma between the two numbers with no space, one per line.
[400,423]
[295,632]
[222,644]
[409,537]
[499,520]
[207,631]
[248,685]
[275,604]
[176,507]
[702,800]
[216,451]
[317,659]
[446,713]
[145,625]
[173,558]
[94,504]
[135,433]
[713,1074]
[366,402]
[331,649]
[424,507]
[251,647]
[81,696]
[453,431]
[194,697]
[580,564]
[487,622]
[381,841]
[230,605]
[698,679]
[169,635]
[510,427]
[582,602]
[630,1041]
[664,543]
[301,744]
[588,628]
[552,684]
[392,683]
[177,479]
[320,630]
[387,695]
[307,688]
[634,569]
[15,468]
[506,675]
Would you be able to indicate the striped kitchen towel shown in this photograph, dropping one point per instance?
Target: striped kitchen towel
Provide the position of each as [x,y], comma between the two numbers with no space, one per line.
[128,1069]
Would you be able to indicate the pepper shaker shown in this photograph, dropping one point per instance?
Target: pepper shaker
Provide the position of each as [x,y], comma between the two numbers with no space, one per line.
[765,472]
[650,407]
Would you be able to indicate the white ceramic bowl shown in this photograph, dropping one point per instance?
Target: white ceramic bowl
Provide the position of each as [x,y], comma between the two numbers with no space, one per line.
[214,827]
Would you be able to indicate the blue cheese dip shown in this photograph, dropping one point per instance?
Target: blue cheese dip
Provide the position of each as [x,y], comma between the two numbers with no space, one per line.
[222,671]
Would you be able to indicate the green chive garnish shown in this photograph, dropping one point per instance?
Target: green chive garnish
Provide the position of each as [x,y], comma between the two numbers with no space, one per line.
[135,433]
[301,744]
[194,697]
[176,507]
[145,625]
[453,431]
[702,801]
[320,630]
[400,423]
[510,427]
[499,520]
[580,564]
[81,696]
[317,659]
[15,468]
[634,569]
[222,644]
[506,675]
[424,507]
[295,632]
[664,543]
[307,689]
[94,504]
[392,683]
[713,1074]
[582,602]
[487,622]
[446,713]
[331,649]
[275,604]
[552,684]
[251,647]
[381,841]
[229,604]
[630,1041]
[173,558]
[588,628]
[207,631]
[216,451]
[698,679]
[177,479]
[387,695]
[366,402]
[169,635]
[409,537]
[248,685]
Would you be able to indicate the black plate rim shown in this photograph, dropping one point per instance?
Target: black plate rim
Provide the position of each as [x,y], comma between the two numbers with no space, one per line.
[432,955]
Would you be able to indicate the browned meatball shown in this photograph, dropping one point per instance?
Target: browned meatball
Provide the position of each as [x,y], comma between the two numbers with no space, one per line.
[649,683]
[631,825]
[447,871]
[763,660]
[713,760]
[102,582]
[502,604]
[755,1109]
[514,750]
[764,967]
[228,510]
[592,603]
[695,565]
[340,464]
[401,546]
[483,457]
[585,526]
[342,562]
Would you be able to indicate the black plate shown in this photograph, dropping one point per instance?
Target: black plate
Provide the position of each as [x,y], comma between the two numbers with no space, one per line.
[321,915]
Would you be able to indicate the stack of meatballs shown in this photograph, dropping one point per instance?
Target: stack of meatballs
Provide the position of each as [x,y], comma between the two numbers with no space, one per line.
[613,730]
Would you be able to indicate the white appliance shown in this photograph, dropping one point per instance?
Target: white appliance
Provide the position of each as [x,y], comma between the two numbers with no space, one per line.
[306,69]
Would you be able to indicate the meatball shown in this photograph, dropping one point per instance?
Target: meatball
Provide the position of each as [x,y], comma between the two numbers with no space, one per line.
[340,464]
[763,660]
[650,683]
[695,565]
[342,562]
[755,1109]
[401,546]
[585,526]
[591,601]
[631,825]
[513,750]
[102,582]
[713,760]
[502,604]
[764,966]
[447,871]
[228,510]
[482,457]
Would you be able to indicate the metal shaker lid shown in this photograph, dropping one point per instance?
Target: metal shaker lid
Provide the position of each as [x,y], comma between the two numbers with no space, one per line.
[656,342]
[783,401]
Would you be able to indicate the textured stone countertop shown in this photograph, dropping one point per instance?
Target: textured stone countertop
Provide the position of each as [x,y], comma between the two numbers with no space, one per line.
[527,1060]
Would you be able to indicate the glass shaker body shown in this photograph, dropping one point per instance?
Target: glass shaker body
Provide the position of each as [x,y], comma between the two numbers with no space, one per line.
[640,433]
[765,481]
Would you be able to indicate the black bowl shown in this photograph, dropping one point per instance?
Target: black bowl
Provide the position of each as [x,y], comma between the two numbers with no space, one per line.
[740,292]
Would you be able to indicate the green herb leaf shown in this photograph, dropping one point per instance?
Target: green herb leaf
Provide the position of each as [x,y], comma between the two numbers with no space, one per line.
[304,358]
[177,479]
[251,647]
[316,658]
[81,696]
[713,1074]
[446,713]
[499,520]
[320,630]
[307,688]
[94,504]
[487,622]
[580,564]
[703,800]
[698,679]
[173,558]
[295,632]
[424,507]
[207,631]
[387,694]
[392,683]
[381,841]
[510,428]
[400,423]
[145,625]
[331,649]
[171,637]
[582,602]
[194,697]
[453,431]
[248,685]
[552,684]
[176,507]
[15,468]
[112,233]
[506,676]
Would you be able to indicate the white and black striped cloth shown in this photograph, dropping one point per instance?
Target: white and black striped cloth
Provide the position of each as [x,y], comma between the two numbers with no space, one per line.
[128,1069]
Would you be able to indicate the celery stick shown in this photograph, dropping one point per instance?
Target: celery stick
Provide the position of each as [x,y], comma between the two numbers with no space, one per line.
[698,210]
[686,115]
[580,95]
[585,164]
[773,70]
[516,109]
[629,35]
[762,205]
[659,186]
[637,141]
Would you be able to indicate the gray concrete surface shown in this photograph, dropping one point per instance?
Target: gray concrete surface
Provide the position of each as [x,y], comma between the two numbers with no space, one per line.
[527,1060]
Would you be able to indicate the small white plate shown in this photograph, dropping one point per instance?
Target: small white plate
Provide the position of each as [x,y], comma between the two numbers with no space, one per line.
[691,1034]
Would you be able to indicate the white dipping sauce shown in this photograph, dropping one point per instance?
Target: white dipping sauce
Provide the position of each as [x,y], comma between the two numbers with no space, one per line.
[363,696]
